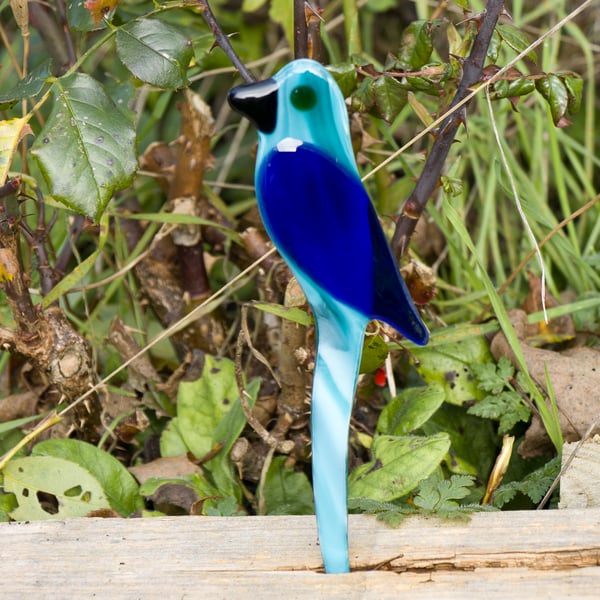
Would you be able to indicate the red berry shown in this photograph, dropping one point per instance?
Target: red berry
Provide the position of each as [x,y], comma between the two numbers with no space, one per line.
[380,377]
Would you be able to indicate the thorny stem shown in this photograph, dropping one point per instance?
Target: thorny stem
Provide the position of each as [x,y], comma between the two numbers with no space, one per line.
[472,72]
[223,41]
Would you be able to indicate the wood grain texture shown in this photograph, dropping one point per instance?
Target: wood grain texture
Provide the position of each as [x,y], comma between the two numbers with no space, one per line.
[546,554]
[580,483]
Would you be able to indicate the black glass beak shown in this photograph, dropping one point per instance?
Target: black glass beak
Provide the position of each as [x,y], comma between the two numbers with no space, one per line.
[257,102]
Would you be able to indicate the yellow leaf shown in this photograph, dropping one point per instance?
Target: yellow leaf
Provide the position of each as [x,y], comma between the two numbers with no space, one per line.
[11,133]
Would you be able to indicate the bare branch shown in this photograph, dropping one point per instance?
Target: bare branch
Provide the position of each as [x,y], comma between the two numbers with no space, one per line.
[472,72]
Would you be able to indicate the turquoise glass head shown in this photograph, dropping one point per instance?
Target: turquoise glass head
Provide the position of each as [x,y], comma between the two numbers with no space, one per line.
[301,103]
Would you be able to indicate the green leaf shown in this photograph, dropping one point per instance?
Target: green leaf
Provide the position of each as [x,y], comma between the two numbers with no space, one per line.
[155,52]
[224,436]
[363,98]
[389,96]
[504,404]
[450,366]
[475,443]
[553,90]
[28,87]
[416,45]
[210,418]
[390,513]
[120,487]
[574,86]
[81,19]
[410,410]
[375,351]
[86,151]
[8,503]
[47,487]
[345,76]
[441,495]
[398,464]
[287,492]
[516,39]
[171,440]
[16,424]
[494,377]
[9,439]
[535,485]
[291,313]
[506,88]
[506,407]
[202,405]
[224,507]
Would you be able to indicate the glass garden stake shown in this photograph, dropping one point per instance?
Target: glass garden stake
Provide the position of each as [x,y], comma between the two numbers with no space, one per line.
[318,214]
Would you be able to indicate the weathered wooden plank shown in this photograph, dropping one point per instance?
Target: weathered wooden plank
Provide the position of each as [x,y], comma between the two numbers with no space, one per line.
[552,554]
[160,584]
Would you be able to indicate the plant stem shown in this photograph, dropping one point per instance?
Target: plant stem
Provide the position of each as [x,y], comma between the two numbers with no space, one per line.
[223,41]
[472,72]
[300,30]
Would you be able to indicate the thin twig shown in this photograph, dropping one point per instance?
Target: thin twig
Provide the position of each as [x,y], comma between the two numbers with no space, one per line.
[284,446]
[223,41]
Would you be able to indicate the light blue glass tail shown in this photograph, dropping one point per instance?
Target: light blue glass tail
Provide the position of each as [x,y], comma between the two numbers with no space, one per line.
[340,331]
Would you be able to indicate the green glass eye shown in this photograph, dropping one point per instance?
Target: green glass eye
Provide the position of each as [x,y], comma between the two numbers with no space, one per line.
[303,97]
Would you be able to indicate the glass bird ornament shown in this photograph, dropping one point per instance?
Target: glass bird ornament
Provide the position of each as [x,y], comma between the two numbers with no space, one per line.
[320,218]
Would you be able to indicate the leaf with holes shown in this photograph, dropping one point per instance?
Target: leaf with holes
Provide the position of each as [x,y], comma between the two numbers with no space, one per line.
[450,366]
[47,487]
[155,52]
[86,151]
[117,482]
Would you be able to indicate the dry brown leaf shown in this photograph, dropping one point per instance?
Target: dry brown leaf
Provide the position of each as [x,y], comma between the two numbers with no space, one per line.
[166,467]
[575,378]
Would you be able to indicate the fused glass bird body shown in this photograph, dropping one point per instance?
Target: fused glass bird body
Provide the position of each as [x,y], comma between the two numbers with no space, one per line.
[319,216]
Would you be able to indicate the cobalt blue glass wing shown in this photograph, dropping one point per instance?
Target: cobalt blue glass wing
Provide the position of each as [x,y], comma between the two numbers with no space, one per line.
[321,219]
[317,215]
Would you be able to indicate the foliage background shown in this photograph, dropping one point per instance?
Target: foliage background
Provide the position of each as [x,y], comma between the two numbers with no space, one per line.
[164,177]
